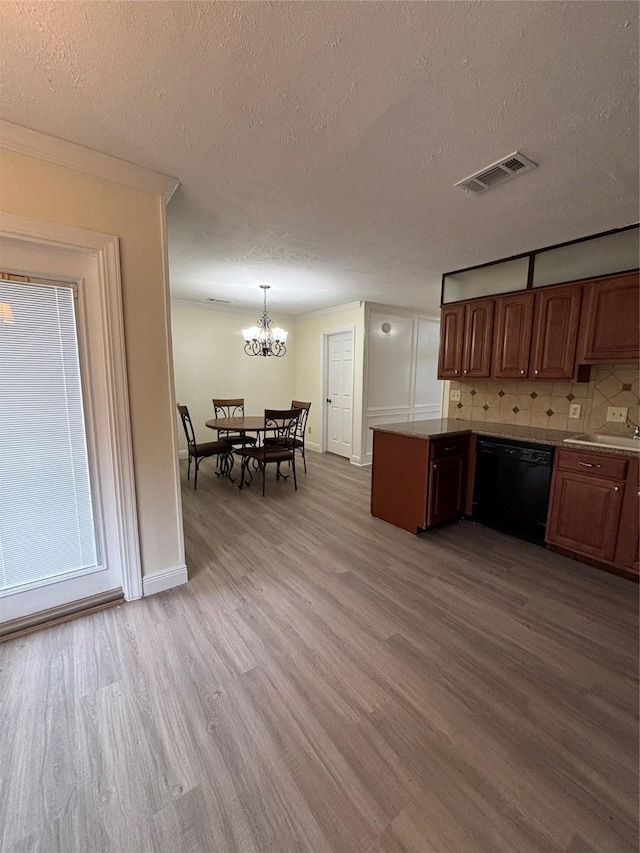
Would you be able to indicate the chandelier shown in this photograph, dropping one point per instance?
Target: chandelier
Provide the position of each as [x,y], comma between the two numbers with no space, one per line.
[262,339]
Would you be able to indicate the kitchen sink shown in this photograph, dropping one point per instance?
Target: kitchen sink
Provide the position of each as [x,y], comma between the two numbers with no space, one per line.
[594,439]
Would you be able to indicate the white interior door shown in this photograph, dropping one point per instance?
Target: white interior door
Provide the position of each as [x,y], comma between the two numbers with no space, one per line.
[60,522]
[339,399]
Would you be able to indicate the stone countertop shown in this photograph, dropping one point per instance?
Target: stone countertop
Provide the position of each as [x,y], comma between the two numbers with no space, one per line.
[441,427]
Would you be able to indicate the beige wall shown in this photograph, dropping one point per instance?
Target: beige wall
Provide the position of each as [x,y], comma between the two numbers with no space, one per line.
[209,361]
[310,330]
[546,404]
[40,190]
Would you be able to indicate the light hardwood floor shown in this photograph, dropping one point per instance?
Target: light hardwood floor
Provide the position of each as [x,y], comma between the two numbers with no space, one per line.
[329,683]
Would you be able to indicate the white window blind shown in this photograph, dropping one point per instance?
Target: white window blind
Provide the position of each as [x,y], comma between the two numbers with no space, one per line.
[46,515]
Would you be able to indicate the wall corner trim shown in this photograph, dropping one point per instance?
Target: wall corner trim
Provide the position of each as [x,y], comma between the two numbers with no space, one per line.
[167,579]
[349,306]
[60,152]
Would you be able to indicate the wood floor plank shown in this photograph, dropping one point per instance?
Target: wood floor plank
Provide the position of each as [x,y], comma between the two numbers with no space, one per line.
[327,683]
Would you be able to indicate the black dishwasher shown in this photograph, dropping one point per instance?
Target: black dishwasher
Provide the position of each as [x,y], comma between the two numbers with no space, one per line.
[511,488]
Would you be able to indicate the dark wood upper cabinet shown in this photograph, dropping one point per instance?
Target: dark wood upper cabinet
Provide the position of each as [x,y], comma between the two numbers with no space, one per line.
[611,332]
[478,339]
[512,338]
[451,341]
[555,332]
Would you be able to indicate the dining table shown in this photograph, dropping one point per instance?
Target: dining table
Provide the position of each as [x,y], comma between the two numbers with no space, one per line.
[240,424]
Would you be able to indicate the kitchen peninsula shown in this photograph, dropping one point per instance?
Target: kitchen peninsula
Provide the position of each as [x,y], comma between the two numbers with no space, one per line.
[424,474]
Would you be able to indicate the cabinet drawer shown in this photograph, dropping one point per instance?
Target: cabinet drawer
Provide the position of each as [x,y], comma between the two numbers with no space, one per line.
[612,467]
[443,448]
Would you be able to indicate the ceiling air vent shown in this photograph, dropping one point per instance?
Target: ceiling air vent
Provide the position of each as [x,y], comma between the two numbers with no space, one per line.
[496,173]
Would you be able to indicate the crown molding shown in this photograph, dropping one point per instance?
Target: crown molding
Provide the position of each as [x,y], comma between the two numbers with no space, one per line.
[402,312]
[350,306]
[23,140]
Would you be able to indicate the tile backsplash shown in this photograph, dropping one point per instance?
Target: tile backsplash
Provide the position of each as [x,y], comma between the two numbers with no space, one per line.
[546,404]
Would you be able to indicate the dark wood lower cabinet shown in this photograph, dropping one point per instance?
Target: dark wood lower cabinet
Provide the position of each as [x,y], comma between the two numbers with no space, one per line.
[447,489]
[399,480]
[585,514]
[627,550]
[593,512]
[418,482]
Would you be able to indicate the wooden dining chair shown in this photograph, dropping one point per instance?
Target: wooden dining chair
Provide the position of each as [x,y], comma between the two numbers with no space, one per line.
[298,439]
[231,408]
[281,426]
[197,452]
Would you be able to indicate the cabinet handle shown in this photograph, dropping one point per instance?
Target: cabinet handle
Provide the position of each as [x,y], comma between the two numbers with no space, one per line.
[536,372]
[522,372]
[456,370]
[616,489]
[465,370]
[589,465]
[435,467]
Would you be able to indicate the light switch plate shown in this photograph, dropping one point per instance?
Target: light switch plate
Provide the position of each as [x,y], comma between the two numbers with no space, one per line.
[454,396]
[574,410]
[617,414]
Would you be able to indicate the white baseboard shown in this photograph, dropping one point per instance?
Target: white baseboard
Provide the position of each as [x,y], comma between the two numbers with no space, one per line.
[357,460]
[183,454]
[166,579]
[311,445]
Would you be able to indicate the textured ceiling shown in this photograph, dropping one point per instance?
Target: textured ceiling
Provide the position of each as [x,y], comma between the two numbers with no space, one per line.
[318,142]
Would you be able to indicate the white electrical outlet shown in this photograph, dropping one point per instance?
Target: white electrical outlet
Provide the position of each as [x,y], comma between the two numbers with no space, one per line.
[574,410]
[617,414]
[454,396]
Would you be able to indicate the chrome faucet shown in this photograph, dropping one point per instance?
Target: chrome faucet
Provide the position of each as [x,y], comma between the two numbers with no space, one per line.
[636,432]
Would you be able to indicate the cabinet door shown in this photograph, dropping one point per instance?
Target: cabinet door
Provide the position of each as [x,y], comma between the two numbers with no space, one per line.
[585,514]
[451,341]
[512,338]
[447,484]
[478,334]
[555,332]
[627,556]
[611,332]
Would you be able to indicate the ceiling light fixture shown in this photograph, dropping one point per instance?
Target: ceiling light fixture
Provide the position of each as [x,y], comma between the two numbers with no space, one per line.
[262,339]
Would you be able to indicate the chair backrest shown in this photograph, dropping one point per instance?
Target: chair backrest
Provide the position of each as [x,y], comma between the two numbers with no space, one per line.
[282,425]
[228,408]
[187,426]
[304,414]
